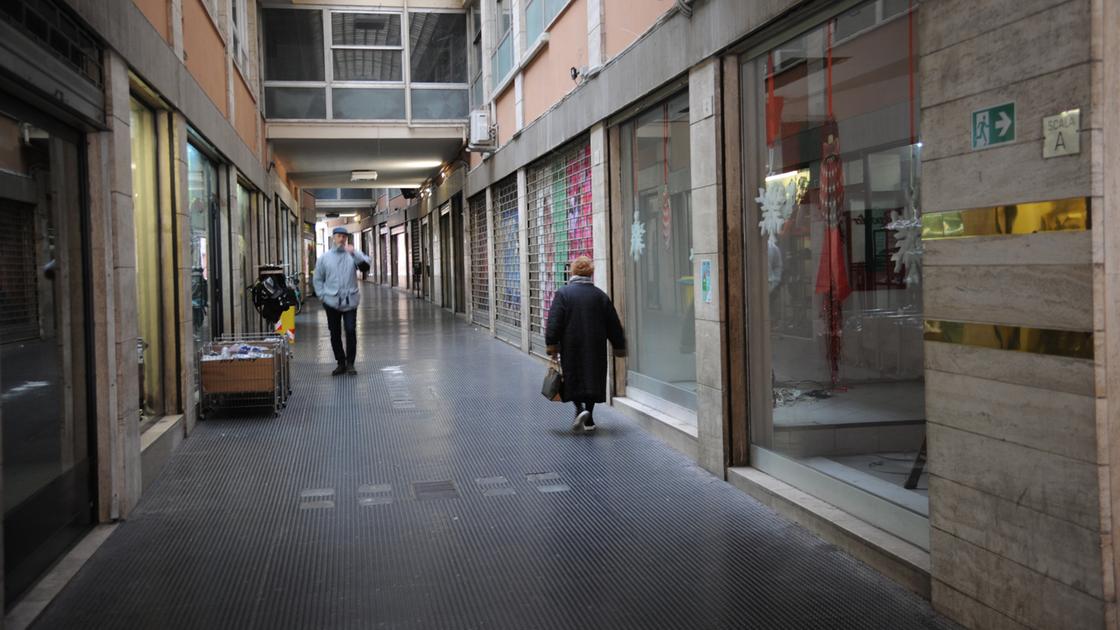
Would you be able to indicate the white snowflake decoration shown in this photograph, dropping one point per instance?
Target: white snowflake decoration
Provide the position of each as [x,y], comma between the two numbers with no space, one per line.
[637,237]
[907,229]
[777,201]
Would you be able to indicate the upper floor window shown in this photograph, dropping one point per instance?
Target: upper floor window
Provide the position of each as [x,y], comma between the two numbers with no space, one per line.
[438,45]
[538,14]
[293,45]
[474,65]
[366,69]
[502,58]
[240,14]
[367,47]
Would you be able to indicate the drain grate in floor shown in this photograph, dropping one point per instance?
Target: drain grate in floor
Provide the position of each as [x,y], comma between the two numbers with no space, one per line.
[427,490]
[495,486]
[547,482]
[378,494]
[397,384]
[316,499]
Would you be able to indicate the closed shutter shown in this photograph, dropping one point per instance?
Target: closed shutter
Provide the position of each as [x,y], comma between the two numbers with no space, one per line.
[19,290]
[417,273]
[507,262]
[480,263]
[559,204]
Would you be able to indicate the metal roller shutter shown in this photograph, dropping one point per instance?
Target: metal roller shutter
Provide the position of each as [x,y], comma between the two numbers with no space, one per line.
[559,207]
[507,262]
[19,290]
[480,263]
[417,273]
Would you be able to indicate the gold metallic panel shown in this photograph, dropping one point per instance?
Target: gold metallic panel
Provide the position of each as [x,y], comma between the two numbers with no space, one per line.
[1062,343]
[1022,218]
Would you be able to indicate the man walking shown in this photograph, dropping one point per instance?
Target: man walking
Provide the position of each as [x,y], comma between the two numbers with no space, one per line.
[336,284]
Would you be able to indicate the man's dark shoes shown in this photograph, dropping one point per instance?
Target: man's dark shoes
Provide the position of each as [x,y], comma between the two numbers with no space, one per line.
[341,369]
[350,370]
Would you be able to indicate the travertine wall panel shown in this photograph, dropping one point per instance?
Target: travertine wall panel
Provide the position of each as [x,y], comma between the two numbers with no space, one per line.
[1039,296]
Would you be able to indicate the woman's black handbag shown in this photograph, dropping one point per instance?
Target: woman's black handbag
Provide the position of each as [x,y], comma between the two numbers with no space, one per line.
[553,382]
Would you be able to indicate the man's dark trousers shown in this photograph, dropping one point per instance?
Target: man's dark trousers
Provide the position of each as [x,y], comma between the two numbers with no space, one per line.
[335,320]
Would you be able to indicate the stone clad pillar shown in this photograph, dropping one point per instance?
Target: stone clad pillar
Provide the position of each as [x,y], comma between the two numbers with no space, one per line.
[1019,447]
[707,252]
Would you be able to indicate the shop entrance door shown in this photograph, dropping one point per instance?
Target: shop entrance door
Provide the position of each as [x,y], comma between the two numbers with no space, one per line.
[44,394]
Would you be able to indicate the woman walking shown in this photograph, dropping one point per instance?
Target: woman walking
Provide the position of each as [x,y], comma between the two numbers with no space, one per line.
[580,322]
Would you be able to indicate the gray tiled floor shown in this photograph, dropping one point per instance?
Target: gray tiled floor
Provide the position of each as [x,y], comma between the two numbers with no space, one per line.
[437,489]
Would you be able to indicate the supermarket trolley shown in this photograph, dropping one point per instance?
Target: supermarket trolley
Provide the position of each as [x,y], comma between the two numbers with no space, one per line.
[245,371]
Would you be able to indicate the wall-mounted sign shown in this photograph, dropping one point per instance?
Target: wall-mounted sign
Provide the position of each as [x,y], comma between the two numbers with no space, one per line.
[993,125]
[1061,134]
[706,280]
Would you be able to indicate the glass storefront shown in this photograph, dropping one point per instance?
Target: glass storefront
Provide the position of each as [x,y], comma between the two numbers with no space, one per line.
[248,270]
[660,316]
[47,432]
[202,189]
[145,213]
[833,157]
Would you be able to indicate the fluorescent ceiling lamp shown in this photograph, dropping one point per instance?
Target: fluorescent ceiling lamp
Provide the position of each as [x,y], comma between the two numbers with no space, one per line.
[417,163]
[360,176]
[348,214]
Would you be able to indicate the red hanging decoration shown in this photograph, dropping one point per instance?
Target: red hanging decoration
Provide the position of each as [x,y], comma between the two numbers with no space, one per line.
[666,201]
[773,106]
[832,271]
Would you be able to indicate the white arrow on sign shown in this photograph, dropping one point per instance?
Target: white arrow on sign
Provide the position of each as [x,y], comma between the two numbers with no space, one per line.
[1003,124]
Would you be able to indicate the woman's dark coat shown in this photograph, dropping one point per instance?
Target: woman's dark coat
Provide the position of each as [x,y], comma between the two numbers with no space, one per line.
[580,322]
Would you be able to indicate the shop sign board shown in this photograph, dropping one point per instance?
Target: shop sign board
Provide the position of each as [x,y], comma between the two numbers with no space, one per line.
[1061,134]
[993,126]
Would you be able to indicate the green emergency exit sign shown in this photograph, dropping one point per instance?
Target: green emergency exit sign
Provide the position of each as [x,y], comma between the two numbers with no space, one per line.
[993,125]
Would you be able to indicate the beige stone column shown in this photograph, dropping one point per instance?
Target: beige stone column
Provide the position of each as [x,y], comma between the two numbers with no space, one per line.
[1019,510]
[707,249]
[183,278]
[600,208]
[113,273]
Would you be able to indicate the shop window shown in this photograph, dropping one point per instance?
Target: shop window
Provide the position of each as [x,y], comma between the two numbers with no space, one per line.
[657,229]
[202,186]
[480,262]
[146,220]
[507,261]
[835,166]
[559,209]
[48,428]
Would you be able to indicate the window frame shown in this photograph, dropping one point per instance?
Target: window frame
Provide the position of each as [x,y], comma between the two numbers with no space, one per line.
[329,84]
[328,58]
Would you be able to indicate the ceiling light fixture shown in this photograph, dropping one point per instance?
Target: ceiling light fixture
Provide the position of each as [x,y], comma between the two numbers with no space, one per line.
[361,176]
[417,163]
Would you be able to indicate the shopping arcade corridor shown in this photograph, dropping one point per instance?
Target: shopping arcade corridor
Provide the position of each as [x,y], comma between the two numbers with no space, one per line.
[437,489]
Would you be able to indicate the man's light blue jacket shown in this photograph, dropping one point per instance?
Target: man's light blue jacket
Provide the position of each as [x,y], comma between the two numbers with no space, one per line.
[336,278]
